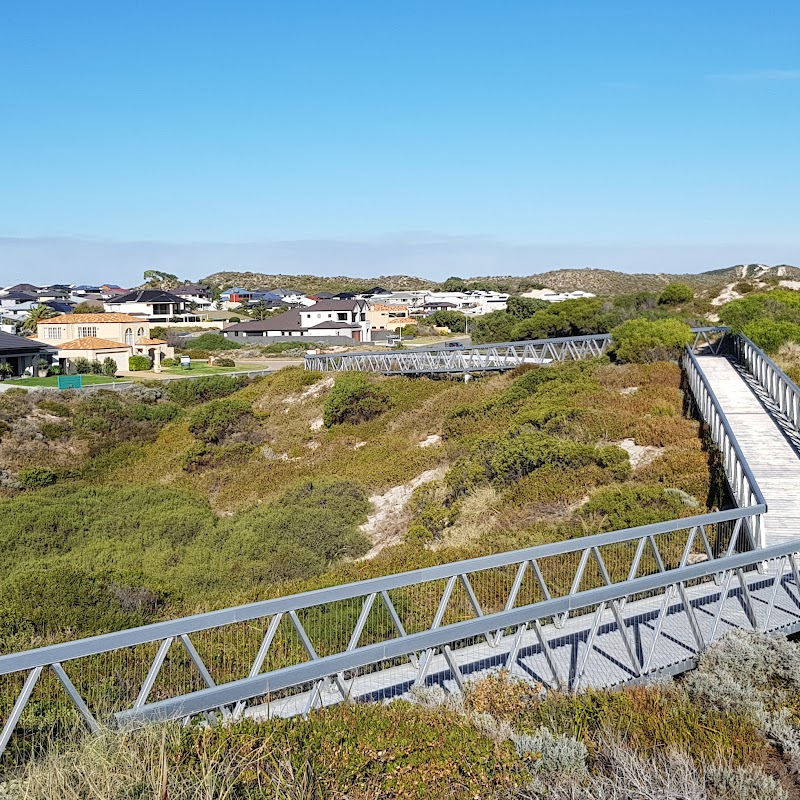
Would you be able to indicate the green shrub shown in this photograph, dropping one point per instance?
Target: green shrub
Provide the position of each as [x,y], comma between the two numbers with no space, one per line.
[161,413]
[211,341]
[224,362]
[643,341]
[35,477]
[676,294]
[213,421]
[770,335]
[210,387]
[354,399]
[109,367]
[81,365]
[284,347]
[170,362]
[630,506]
[55,408]
[139,363]
[54,430]
[780,305]
[159,332]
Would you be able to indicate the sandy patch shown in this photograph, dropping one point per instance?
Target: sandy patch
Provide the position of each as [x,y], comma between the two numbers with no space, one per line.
[629,390]
[640,455]
[389,518]
[359,445]
[309,393]
[433,439]
[790,284]
[317,424]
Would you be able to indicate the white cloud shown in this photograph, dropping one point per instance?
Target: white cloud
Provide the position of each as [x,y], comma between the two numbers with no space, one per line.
[752,76]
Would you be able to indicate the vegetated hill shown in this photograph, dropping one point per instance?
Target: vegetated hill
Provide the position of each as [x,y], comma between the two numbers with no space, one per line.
[203,494]
[310,284]
[602,282]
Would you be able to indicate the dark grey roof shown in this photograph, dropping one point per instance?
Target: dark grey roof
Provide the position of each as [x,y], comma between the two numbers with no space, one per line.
[439,304]
[288,321]
[284,292]
[333,305]
[23,287]
[332,323]
[15,295]
[323,295]
[193,288]
[147,296]
[16,344]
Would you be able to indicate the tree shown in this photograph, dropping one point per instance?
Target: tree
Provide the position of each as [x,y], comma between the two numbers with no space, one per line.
[164,280]
[675,294]
[88,308]
[447,319]
[109,367]
[5,370]
[36,315]
[524,307]
[260,310]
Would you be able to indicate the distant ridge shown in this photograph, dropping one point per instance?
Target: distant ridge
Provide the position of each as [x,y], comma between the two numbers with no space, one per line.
[598,281]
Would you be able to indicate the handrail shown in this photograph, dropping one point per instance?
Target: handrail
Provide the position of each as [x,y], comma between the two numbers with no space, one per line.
[742,482]
[779,386]
[103,643]
[247,688]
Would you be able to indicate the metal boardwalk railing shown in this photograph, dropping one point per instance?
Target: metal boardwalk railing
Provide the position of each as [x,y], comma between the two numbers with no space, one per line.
[600,610]
[472,359]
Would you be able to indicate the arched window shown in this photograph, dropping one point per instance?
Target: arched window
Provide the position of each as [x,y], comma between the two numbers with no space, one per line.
[140,333]
[129,336]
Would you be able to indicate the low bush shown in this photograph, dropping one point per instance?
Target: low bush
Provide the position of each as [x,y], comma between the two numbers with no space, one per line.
[36,477]
[770,335]
[676,294]
[209,387]
[95,367]
[215,420]
[81,365]
[354,399]
[139,363]
[224,362]
[211,341]
[54,407]
[109,367]
[643,341]
[629,506]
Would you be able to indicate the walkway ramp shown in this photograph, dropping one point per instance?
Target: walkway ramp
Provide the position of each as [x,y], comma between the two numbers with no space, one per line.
[765,443]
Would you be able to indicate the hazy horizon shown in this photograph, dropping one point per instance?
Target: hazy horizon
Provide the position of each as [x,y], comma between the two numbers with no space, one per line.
[90,260]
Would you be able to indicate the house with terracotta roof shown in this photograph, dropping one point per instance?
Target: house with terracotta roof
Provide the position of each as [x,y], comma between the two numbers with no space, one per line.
[388,317]
[101,336]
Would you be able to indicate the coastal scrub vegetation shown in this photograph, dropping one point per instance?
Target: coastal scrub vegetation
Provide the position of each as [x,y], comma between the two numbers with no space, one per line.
[728,731]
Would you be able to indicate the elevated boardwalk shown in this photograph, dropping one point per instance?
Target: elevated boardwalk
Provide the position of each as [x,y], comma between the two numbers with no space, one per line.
[595,611]
[764,437]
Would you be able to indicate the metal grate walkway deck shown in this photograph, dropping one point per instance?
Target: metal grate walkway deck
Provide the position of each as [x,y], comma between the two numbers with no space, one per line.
[765,445]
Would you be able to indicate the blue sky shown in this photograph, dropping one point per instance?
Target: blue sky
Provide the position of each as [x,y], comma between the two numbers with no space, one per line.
[640,135]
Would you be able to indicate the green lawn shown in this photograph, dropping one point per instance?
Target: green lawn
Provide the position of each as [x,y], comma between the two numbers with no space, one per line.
[53,380]
[201,368]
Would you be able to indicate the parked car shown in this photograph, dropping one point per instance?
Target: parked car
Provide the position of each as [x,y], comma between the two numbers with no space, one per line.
[455,344]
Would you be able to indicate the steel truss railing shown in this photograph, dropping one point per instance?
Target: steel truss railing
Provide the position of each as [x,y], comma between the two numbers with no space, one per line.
[472,359]
[781,389]
[381,636]
[598,610]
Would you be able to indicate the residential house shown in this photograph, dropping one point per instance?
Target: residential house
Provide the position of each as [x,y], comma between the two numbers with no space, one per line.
[101,336]
[556,297]
[112,290]
[292,297]
[15,304]
[23,354]
[328,318]
[153,305]
[388,317]
[195,295]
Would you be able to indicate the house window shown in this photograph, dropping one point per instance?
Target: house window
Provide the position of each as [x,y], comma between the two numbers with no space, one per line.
[52,332]
[161,308]
[87,330]
[129,336]
[342,316]
[140,333]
